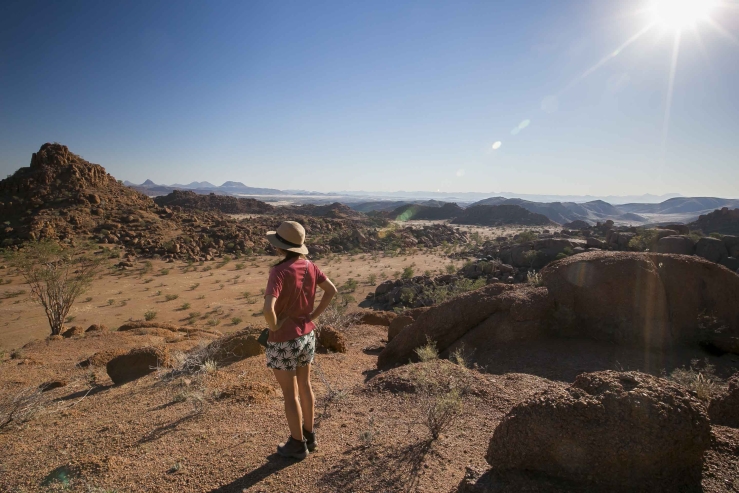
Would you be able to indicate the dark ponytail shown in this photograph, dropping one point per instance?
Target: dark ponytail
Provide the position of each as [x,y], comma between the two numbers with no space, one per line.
[289,256]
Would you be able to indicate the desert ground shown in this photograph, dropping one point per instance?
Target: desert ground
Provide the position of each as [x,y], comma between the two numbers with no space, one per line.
[215,430]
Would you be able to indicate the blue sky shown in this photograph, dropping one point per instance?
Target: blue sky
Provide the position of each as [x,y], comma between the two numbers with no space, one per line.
[381,95]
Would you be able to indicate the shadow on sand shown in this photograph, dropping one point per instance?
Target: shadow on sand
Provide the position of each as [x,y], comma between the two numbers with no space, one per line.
[274,464]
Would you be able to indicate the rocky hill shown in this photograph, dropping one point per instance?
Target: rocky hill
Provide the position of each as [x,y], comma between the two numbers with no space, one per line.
[328,211]
[62,196]
[500,215]
[724,221]
[408,212]
[565,212]
[222,203]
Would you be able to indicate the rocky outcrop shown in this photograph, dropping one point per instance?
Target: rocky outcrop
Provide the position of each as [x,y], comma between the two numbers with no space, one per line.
[369,317]
[624,430]
[677,244]
[332,339]
[711,249]
[222,203]
[501,215]
[649,300]
[235,347]
[724,408]
[137,363]
[724,221]
[449,321]
[400,322]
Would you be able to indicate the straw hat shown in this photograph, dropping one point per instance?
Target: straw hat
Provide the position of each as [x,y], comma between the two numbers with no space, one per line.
[289,236]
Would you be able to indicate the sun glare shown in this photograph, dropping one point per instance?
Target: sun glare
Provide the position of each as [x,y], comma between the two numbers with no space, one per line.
[679,14]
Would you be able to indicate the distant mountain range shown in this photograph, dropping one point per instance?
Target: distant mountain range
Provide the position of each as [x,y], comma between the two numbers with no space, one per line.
[680,210]
[562,209]
[228,188]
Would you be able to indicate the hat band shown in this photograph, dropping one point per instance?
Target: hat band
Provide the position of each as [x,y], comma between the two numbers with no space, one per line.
[289,243]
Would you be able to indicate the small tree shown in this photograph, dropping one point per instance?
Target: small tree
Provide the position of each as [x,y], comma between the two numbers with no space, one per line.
[57,275]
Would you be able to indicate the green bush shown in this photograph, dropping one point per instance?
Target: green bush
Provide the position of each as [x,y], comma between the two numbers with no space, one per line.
[150,315]
[407,273]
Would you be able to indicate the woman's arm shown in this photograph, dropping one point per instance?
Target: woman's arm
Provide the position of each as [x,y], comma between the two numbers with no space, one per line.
[269,312]
[329,291]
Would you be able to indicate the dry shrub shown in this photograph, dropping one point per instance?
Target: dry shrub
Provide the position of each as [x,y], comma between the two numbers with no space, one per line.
[442,411]
[703,381]
[428,351]
[336,315]
[20,406]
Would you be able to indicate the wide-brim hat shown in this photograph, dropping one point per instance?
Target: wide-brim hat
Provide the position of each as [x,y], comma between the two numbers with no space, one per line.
[289,236]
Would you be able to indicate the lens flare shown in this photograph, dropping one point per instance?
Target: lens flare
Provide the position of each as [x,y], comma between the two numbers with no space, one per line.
[679,14]
[497,145]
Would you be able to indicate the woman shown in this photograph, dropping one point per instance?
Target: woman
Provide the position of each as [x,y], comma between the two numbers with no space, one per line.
[290,292]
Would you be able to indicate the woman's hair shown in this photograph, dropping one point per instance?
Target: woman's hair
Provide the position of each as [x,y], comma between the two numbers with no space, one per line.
[289,256]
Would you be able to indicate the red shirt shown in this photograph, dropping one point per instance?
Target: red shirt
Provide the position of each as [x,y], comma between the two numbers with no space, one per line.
[284,280]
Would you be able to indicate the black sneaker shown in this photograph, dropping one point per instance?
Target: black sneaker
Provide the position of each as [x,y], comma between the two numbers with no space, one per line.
[293,448]
[310,439]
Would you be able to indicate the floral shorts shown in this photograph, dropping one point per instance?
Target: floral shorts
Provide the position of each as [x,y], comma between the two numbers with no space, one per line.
[291,354]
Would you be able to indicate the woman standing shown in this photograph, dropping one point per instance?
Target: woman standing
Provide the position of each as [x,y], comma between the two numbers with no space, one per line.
[289,312]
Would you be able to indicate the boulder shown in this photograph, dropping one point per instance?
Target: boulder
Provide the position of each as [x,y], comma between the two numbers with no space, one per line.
[732,245]
[682,245]
[96,328]
[731,263]
[101,358]
[724,409]
[594,242]
[403,320]
[332,339]
[137,363]
[697,289]
[234,347]
[711,249]
[624,430]
[398,324]
[73,331]
[679,228]
[384,319]
[613,296]
[642,299]
[446,323]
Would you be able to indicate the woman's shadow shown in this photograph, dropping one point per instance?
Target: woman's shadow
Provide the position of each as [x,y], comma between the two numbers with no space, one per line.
[274,464]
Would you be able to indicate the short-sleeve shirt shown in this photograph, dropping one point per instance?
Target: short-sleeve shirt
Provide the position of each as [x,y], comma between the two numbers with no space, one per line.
[283,284]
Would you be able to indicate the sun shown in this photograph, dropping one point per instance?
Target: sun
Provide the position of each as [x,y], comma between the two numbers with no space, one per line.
[680,14]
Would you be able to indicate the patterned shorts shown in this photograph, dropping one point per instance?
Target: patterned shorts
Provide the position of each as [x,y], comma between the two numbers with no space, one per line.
[291,354]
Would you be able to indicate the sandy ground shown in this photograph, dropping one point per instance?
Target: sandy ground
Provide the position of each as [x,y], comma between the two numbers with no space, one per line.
[216,291]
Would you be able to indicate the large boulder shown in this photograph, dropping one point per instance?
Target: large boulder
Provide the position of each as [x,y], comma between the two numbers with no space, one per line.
[332,339]
[490,315]
[235,347]
[642,299]
[403,320]
[724,409]
[696,290]
[369,317]
[732,245]
[137,363]
[617,429]
[682,245]
[711,249]
[679,228]
[613,296]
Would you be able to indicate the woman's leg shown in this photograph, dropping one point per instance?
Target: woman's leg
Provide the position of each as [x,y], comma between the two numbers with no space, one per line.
[307,399]
[286,379]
